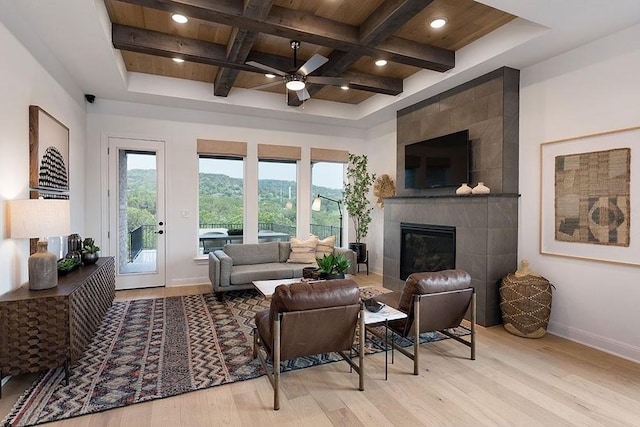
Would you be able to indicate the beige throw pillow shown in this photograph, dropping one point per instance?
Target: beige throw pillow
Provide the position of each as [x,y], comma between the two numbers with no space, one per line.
[325,246]
[303,251]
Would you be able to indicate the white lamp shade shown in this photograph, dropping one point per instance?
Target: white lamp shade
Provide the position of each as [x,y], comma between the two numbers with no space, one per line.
[317,202]
[38,218]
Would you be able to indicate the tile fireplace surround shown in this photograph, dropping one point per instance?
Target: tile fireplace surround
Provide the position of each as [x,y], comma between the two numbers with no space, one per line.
[486,225]
[486,240]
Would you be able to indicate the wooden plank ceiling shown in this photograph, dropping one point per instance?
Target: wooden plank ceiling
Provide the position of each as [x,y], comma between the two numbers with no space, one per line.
[221,36]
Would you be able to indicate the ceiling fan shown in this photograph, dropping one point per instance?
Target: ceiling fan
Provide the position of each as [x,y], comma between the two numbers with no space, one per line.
[297,79]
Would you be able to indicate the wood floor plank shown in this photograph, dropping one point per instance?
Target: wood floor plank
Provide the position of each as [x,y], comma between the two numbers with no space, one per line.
[514,381]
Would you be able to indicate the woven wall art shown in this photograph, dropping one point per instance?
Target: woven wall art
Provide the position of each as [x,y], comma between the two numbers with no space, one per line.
[592,201]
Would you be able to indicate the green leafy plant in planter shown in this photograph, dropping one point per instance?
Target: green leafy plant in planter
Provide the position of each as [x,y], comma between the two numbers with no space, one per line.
[89,251]
[333,266]
[356,190]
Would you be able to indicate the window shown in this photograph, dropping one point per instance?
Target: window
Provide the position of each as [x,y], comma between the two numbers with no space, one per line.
[277,199]
[221,201]
[327,181]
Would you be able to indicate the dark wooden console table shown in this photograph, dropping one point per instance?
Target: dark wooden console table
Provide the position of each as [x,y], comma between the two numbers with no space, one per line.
[51,328]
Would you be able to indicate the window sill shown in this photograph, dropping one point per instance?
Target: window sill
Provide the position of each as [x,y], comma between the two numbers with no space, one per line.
[201,260]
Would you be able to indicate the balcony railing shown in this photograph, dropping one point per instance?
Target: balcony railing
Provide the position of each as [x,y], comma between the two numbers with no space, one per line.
[322,231]
[141,238]
[144,237]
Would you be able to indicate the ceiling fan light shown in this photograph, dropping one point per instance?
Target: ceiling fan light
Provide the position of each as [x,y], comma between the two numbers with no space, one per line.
[438,23]
[295,85]
[270,76]
[381,62]
[178,60]
[344,87]
[180,19]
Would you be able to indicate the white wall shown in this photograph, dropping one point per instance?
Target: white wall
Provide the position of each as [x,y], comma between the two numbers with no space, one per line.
[592,89]
[24,82]
[381,152]
[181,128]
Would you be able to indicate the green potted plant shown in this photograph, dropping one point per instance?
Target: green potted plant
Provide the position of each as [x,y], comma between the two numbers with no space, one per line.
[333,266]
[89,251]
[356,190]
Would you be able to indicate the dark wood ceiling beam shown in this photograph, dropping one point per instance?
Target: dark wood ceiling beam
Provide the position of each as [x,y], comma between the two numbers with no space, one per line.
[385,85]
[156,43]
[240,43]
[169,46]
[378,27]
[306,27]
[408,52]
[387,18]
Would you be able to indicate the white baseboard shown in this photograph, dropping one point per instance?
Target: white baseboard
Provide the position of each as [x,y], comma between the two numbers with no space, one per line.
[605,344]
[190,281]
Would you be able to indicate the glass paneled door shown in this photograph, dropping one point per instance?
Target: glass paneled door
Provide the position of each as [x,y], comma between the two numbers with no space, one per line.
[136,212]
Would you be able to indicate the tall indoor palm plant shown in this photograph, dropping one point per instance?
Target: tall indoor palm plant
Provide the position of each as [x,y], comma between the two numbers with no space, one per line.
[356,189]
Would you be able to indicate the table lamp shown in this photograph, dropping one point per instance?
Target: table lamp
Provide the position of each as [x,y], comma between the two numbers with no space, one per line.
[40,218]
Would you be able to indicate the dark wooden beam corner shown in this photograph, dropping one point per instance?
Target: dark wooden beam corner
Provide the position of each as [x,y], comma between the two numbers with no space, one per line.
[166,45]
[239,46]
[388,18]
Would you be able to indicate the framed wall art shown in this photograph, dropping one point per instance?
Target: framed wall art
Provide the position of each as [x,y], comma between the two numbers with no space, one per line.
[48,155]
[587,205]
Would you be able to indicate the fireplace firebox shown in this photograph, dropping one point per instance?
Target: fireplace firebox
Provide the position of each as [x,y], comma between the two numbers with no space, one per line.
[426,247]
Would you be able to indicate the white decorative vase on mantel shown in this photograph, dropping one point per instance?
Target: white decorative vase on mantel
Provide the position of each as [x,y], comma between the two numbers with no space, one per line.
[480,189]
[463,190]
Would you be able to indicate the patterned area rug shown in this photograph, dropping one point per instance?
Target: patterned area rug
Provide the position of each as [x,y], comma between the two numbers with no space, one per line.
[156,348]
[144,350]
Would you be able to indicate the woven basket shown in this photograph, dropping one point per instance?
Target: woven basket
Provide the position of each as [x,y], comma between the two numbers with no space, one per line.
[525,303]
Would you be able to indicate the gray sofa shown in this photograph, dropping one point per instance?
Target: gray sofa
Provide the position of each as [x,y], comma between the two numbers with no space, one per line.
[236,266]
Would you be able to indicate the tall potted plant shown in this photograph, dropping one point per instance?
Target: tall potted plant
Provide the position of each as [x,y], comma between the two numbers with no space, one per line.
[356,189]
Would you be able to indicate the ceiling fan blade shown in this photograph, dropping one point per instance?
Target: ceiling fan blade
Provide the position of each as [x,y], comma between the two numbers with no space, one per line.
[333,81]
[303,94]
[315,62]
[266,68]
[266,85]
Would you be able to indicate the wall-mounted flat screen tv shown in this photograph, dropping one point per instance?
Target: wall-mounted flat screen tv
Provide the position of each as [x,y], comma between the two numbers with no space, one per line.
[437,162]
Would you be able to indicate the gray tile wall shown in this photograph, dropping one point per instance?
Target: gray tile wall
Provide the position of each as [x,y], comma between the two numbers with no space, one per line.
[486,226]
[486,240]
[488,107]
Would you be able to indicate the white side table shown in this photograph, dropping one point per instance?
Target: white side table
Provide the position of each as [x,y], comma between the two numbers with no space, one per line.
[383,317]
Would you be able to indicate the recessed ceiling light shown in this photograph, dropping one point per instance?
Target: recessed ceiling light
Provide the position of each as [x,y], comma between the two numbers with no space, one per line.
[270,76]
[381,62]
[180,19]
[178,60]
[344,87]
[438,23]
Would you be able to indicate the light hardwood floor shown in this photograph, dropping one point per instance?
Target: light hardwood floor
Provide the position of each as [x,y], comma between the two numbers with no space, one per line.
[514,381]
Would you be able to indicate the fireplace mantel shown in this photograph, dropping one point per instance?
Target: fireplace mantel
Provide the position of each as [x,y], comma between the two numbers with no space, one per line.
[454,196]
[486,239]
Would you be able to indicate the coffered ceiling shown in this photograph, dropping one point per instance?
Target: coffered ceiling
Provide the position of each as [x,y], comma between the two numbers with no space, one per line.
[222,36]
[121,50]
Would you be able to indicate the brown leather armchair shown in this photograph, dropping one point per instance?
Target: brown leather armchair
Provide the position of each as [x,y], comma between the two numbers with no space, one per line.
[433,301]
[306,319]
